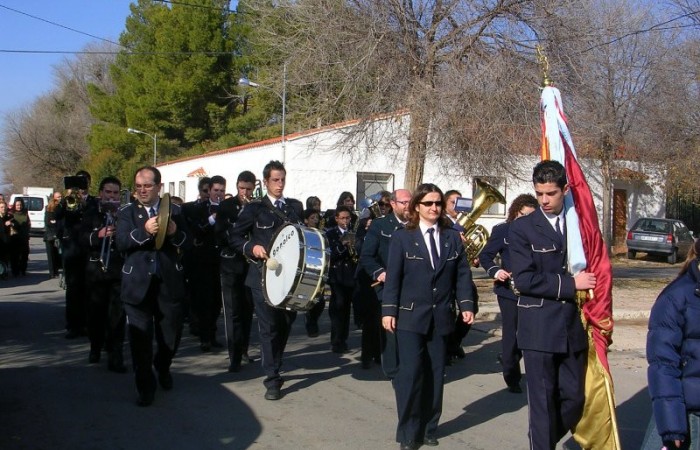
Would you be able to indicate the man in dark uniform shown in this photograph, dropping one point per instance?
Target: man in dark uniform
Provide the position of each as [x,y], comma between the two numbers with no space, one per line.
[251,235]
[495,259]
[550,333]
[205,283]
[373,260]
[69,216]
[189,261]
[341,277]
[152,283]
[237,298]
[106,318]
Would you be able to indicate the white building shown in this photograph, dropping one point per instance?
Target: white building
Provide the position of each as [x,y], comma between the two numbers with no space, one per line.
[319,163]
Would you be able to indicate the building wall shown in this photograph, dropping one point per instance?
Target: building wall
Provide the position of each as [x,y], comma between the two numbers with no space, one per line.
[320,163]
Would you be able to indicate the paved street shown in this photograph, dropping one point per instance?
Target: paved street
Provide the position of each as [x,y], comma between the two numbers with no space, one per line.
[50,398]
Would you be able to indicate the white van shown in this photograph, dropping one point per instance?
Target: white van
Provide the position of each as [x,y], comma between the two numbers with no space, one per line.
[36,206]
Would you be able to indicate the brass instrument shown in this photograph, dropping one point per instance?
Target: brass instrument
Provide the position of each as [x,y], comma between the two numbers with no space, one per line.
[163,220]
[73,200]
[110,209]
[475,235]
[350,238]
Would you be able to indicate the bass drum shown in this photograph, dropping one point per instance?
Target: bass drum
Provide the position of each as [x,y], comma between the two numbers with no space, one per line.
[297,269]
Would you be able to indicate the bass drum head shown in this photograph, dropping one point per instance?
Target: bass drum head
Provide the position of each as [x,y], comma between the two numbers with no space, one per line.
[285,250]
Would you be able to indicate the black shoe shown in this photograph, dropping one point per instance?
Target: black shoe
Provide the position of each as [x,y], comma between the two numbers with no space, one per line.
[409,445]
[312,330]
[459,353]
[165,380]
[94,357]
[205,347]
[340,349]
[367,364]
[247,358]
[515,389]
[216,344]
[431,441]
[145,399]
[273,393]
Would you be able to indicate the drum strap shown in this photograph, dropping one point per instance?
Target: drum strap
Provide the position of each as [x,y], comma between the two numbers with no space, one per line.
[279,214]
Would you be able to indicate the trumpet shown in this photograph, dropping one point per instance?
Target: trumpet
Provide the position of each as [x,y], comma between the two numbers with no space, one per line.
[73,200]
[106,249]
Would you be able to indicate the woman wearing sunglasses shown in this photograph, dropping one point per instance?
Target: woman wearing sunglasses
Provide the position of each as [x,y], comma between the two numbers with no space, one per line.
[427,269]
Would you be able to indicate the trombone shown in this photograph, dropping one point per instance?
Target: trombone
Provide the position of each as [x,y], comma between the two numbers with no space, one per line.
[105,251]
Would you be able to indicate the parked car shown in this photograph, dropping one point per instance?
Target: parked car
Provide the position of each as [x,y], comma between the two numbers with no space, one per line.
[663,237]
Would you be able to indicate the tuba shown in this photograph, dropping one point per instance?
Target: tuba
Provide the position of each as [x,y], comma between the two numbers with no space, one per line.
[475,235]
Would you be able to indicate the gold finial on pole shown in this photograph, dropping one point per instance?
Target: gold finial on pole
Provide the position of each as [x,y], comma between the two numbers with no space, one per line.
[544,64]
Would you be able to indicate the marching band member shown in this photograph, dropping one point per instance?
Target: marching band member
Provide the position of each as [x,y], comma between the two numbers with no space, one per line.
[74,258]
[427,268]
[250,235]
[550,332]
[237,298]
[312,219]
[373,260]
[497,246]
[153,284]
[204,279]
[106,318]
[341,277]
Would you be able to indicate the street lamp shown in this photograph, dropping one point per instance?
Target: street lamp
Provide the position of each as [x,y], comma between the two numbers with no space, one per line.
[244,81]
[152,136]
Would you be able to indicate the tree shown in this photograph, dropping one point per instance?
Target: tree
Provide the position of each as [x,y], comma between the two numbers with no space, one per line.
[435,59]
[47,140]
[172,80]
[613,75]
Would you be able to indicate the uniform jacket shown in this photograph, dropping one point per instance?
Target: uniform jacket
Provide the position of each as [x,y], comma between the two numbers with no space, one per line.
[673,353]
[375,248]
[205,251]
[342,270]
[93,220]
[548,317]
[142,260]
[256,225]
[416,294]
[228,213]
[497,245]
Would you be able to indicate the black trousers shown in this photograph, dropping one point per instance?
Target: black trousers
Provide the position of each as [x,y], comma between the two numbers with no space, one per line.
[389,347]
[555,395]
[339,312]
[419,384]
[159,315]
[311,316]
[238,312]
[274,326]
[510,353]
[206,299]
[74,274]
[19,254]
[53,257]
[106,317]
[372,330]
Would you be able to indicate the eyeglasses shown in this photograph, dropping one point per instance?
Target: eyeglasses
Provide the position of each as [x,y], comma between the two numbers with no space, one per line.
[405,202]
[146,187]
[429,204]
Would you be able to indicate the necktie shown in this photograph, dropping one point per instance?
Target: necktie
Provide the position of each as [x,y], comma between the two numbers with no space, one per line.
[151,212]
[278,204]
[433,248]
[557,227]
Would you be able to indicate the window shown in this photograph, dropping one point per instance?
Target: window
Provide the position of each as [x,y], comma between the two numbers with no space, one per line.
[181,190]
[369,183]
[498,184]
[171,188]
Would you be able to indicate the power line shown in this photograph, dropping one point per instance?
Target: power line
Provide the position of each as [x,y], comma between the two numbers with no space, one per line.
[59,25]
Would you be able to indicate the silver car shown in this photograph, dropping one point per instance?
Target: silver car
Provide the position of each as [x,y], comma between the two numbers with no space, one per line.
[663,237]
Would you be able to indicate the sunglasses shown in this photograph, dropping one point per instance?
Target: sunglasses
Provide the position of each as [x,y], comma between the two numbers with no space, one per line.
[429,204]
[383,204]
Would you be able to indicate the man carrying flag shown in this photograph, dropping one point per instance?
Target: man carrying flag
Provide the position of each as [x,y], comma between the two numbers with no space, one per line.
[585,252]
[550,332]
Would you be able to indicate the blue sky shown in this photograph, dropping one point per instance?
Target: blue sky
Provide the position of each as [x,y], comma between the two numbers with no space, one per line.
[25,76]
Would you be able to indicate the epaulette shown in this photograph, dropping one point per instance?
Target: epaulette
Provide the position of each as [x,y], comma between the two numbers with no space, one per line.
[125,206]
